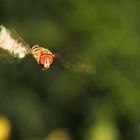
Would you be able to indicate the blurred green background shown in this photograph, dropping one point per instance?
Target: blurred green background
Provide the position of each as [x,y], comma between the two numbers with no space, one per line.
[60,104]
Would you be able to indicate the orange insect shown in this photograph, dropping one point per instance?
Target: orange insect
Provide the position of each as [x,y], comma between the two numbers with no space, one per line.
[16,47]
[44,56]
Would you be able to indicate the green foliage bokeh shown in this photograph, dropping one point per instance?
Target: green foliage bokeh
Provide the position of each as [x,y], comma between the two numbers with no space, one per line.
[103,106]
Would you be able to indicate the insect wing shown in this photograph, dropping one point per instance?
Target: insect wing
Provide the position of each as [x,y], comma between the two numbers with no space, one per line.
[77,61]
[6,57]
[24,46]
[12,46]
